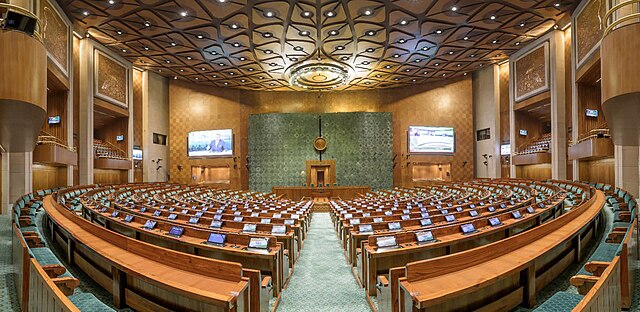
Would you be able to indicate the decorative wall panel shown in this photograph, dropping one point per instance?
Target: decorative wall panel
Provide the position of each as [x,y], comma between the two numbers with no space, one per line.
[588,29]
[111,79]
[532,72]
[56,35]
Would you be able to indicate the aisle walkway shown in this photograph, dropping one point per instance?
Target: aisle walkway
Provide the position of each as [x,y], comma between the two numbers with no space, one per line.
[322,280]
[8,296]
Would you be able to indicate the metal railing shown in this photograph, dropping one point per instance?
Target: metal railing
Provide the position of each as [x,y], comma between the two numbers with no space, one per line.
[627,12]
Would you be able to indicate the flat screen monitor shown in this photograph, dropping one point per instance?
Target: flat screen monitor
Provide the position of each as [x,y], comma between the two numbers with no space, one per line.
[278,229]
[386,241]
[491,209]
[505,149]
[157,213]
[119,138]
[210,143]
[199,214]
[217,217]
[216,224]
[530,209]
[425,222]
[431,140]
[143,209]
[503,206]
[425,236]
[128,218]
[424,215]
[592,113]
[238,219]
[444,211]
[259,243]
[184,211]
[54,120]
[289,222]
[473,213]
[115,213]
[176,230]
[194,220]
[137,154]
[394,226]
[172,216]
[103,209]
[516,214]
[354,221]
[265,220]
[450,218]
[541,205]
[377,220]
[277,215]
[494,221]
[458,209]
[251,228]
[365,228]
[467,228]
[523,132]
[405,217]
[149,225]
[217,238]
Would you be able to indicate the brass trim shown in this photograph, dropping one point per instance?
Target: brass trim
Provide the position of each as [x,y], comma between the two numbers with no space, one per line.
[610,26]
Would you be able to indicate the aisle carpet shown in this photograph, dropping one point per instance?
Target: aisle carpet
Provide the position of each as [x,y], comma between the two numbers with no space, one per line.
[323,280]
[8,296]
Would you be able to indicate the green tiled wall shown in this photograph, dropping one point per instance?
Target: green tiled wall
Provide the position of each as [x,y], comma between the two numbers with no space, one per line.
[279,145]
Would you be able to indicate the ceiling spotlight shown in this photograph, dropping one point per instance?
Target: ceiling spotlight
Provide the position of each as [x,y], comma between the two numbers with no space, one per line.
[183,13]
[522,24]
[387,66]
[458,65]
[370,33]
[413,80]
[436,64]
[196,78]
[304,33]
[220,64]
[232,73]
[557,4]
[213,52]
[365,63]
[268,51]
[269,13]
[339,47]
[367,82]
[425,48]
[250,69]
[378,76]
[465,38]
[181,70]
[297,48]
[124,50]
[472,55]
[267,34]
[260,77]
[396,55]
[167,61]
[450,52]
[396,79]
[200,36]
[119,32]
[402,40]
[175,77]
[147,24]
[85,13]
[333,32]
[345,58]
[425,72]
[443,75]
[370,50]
[494,41]
[407,70]
[439,31]
[306,14]
[465,73]
[367,12]
[226,83]
[214,76]
[454,8]
[492,17]
[188,57]
[272,84]
[517,43]
[242,58]
[146,48]
[234,26]
[418,60]
[329,14]
[221,1]
[173,44]
[111,2]
[236,44]
[403,22]
[242,80]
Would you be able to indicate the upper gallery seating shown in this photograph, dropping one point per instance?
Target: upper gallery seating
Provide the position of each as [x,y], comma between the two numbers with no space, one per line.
[538,145]
[46,138]
[106,150]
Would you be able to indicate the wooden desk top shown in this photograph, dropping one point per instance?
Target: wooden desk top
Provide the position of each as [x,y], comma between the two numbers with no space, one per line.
[213,281]
[463,272]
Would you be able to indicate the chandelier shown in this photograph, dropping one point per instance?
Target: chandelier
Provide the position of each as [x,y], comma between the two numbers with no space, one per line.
[319,76]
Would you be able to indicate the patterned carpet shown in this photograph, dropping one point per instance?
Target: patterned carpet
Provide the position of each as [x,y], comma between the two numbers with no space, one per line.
[323,280]
[8,296]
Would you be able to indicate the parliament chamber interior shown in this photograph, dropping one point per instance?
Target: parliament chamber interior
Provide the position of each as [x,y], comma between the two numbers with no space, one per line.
[319,155]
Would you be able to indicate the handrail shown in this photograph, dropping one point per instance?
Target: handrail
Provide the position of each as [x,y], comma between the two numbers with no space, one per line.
[608,27]
[19,9]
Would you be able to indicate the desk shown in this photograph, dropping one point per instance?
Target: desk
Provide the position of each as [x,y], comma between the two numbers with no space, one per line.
[298,192]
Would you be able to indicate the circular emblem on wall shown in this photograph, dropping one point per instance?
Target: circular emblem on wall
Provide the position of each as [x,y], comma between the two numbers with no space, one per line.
[320,144]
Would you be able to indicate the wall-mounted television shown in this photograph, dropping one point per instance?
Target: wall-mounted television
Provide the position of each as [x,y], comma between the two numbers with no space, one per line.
[524,132]
[210,143]
[431,140]
[592,113]
[119,138]
[54,120]
[505,149]
[137,154]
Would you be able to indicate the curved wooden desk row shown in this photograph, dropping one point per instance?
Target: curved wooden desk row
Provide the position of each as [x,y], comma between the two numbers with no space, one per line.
[147,277]
[501,275]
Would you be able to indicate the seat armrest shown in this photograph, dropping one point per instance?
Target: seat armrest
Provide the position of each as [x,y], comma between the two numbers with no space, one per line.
[54,270]
[596,267]
[615,237]
[383,281]
[266,281]
[619,229]
[584,283]
[66,284]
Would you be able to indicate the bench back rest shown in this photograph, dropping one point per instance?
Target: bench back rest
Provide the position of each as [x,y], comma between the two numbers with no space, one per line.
[605,292]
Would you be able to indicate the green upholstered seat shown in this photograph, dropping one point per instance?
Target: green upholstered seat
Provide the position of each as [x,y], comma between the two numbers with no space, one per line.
[605,252]
[561,301]
[45,256]
[89,302]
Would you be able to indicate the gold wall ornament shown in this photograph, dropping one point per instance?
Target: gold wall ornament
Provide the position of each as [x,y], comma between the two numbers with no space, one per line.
[320,144]
[532,72]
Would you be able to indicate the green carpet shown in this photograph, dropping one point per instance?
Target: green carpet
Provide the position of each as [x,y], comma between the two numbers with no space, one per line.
[322,280]
[8,295]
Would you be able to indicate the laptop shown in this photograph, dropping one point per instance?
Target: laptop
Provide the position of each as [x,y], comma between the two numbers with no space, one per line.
[467,228]
[249,228]
[259,244]
[365,228]
[176,231]
[516,214]
[279,229]
[394,226]
[494,221]
[425,237]
[149,225]
[215,224]
[473,213]
[531,210]
[194,220]
[216,239]
[450,218]
[386,243]
[425,222]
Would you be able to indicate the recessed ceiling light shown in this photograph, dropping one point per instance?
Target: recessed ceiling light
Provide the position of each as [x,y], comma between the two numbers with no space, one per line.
[268,51]
[472,55]
[458,65]
[234,26]
[226,83]
[242,58]
[407,70]
[297,48]
[272,84]
[273,64]
[367,82]
[147,24]
[418,60]
[370,33]
[439,31]
[200,36]
[188,57]
[480,65]
[221,64]
[370,50]
[85,13]
[267,34]
[333,32]
[454,8]
[242,80]
[465,38]
[329,14]
[436,64]
[396,79]
[425,72]
[250,69]
[175,77]
[378,76]
[304,33]
[425,48]
[306,14]
[260,77]
[184,13]
[339,47]
[181,70]
[236,44]
[221,1]
[345,58]
[159,70]
[450,52]
[413,80]
[111,2]
[167,61]
[403,22]
[173,44]
[146,48]
[365,63]
[465,73]
[269,13]
[402,41]
[492,17]
[367,12]
[443,75]
[517,43]
[196,78]
[387,66]
[557,4]
[232,73]
[119,32]
[494,41]
[522,24]
[293,59]
[396,55]
[214,76]
[213,52]
[124,50]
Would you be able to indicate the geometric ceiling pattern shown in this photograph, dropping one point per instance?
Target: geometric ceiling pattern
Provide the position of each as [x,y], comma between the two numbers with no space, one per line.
[251,44]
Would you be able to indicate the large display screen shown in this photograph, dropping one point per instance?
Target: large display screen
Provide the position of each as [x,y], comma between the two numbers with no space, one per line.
[210,143]
[431,140]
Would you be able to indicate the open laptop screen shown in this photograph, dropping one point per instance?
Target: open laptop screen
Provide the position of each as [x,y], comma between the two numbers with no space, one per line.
[259,243]
[386,241]
[217,238]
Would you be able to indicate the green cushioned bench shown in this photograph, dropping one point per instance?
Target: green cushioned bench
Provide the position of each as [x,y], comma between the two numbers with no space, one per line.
[89,302]
[605,252]
[561,301]
[45,256]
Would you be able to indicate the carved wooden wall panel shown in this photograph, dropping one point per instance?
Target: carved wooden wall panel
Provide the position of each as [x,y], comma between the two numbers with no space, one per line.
[532,72]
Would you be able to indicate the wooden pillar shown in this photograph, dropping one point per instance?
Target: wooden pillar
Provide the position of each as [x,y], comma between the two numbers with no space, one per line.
[119,288]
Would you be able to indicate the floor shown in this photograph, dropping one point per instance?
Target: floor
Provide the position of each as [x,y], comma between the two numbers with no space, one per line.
[322,280]
[8,296]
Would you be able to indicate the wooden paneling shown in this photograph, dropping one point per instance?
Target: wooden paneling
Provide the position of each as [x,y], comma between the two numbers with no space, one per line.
[54,154]
[47,177]
[431,172]
[589,98]
[531,159]
[44,295]
[57,106]
[590,149]
[344,192]
[535,127]
[137,108]
[537,172]
[101,176]
[108,133]
[195,107]
[601,171]
[211,174]
[505,115]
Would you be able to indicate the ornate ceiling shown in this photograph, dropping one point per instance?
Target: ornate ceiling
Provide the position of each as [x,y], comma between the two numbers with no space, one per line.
[252,44]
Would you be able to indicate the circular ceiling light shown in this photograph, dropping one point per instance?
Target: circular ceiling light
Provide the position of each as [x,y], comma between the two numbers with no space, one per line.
[306,14]
[319,76]
[269,13]
[370,50]
[329,14]
[371,33]
[304,33]
[367,12]
[333,32]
